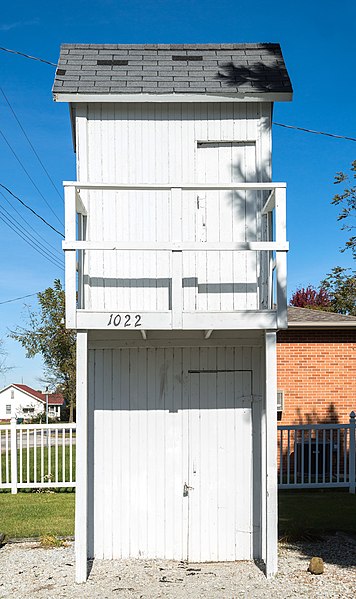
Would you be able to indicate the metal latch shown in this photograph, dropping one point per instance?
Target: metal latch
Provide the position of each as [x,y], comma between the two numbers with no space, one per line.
[186,489]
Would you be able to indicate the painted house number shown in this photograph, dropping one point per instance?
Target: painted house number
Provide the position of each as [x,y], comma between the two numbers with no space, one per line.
[125,320]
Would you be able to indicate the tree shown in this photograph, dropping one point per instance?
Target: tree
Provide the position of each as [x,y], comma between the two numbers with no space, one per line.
[341,288]
[347,202]
[46,335]
[3,355]
[336,293]
[309,297]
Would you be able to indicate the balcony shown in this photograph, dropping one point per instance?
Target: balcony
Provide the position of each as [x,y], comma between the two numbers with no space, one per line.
[164,257]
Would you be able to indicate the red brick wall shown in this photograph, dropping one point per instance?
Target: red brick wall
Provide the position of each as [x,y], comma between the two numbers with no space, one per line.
[316,369]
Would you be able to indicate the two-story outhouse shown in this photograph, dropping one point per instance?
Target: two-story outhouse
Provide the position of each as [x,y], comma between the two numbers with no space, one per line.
[175,252]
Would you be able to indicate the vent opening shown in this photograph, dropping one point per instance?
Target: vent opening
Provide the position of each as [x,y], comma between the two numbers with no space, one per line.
[187,58]
[112,62]
[60,72]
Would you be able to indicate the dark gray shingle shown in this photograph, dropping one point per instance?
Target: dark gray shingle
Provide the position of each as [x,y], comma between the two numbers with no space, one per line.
[224,68]
[307,315]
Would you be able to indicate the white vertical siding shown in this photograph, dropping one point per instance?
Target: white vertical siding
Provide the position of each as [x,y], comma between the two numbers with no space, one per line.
[138,143]
[155,427]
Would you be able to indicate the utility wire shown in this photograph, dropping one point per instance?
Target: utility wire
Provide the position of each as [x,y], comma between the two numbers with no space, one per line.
[16,299]
[29,176]
[315,132]
[31,145]
[31,210]
[28,233]
[28,224]
[20,230]
[53,64]
[9,224]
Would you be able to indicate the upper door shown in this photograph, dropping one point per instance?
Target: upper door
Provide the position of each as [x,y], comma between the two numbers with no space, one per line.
[225,280]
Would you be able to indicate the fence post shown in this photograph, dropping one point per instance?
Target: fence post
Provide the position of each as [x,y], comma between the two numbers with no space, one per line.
[13,436]
[352,450]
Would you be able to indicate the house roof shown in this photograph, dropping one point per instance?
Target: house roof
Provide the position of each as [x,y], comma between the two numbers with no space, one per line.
[54,399]
[219,69]
[306,317]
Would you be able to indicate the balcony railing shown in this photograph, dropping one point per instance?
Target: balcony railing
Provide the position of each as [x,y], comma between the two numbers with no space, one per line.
[270,310]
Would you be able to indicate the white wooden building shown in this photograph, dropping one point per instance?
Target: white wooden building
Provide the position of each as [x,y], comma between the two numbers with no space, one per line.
[176,283]
[21,401]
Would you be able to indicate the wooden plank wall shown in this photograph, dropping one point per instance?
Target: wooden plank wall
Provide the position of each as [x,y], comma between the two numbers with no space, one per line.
[139,420]
[148,143]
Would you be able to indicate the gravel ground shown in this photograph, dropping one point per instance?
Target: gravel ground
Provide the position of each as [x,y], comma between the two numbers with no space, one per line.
[30,571]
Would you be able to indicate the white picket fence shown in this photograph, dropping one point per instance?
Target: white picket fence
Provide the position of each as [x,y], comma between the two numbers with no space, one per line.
[317,455]
[37,456]
[309,455]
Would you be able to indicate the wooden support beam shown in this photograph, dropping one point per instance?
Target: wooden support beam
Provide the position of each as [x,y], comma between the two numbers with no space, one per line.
[270,494]
[70,257]
[270,203]
[177,259]
[81,494]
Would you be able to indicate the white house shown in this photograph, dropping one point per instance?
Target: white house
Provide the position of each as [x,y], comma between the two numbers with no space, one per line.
[178,236]
[21,401]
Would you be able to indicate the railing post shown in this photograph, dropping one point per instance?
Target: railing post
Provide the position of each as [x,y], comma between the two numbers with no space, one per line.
[70,256]
[177,259]
[13,435]
[352,449]
[281,258]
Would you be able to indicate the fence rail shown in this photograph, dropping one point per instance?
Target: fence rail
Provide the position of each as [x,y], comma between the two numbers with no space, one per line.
[317,455]
[309,455]
[35,456]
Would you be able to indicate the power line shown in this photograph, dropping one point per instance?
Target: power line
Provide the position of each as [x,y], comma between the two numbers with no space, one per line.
[29,176]
[315,132]
[28,224]
[39,251]
[31,210]
[16,299]
[53,64]
[31,145]
[29,235]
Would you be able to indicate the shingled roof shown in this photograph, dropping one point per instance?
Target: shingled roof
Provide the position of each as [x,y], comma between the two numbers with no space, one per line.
[309,317]
[171,69]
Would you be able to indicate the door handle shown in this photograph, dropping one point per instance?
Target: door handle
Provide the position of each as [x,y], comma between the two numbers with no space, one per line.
[186,490]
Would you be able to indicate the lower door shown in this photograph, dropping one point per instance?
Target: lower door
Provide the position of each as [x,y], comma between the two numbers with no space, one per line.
[219,483]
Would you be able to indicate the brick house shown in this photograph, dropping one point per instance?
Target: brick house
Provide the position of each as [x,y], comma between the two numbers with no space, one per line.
[316,366]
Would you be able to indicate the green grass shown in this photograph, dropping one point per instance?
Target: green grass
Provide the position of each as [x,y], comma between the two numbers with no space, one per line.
[300,513]
[43,468]
[316,512]
[37,514]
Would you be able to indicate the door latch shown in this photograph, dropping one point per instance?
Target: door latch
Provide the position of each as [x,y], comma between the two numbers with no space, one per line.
[186,489]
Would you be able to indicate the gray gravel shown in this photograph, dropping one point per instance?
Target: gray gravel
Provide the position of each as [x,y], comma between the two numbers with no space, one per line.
[30,571]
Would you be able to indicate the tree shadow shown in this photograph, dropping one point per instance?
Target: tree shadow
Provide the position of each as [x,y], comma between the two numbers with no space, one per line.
[258,77]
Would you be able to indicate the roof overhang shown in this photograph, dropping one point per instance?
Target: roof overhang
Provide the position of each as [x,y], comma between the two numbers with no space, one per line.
[321,325]
[170,98]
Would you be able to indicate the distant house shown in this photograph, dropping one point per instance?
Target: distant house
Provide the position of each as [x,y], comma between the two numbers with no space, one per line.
[316,367]
[21,401]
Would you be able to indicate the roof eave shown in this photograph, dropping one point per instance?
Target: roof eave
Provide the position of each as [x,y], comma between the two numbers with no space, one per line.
[170,98]
[321,325]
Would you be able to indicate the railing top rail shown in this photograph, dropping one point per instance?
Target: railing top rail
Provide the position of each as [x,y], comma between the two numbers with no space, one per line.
[309,427]
[59,426]
[168,186]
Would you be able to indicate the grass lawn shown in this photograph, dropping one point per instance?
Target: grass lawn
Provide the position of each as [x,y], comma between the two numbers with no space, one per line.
[48,463]
[316,512]
[39,514]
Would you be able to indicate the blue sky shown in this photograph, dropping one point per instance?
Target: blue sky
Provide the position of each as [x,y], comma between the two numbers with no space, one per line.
[318,40]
